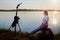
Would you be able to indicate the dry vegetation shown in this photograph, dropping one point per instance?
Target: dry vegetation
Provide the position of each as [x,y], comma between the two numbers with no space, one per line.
[10,35]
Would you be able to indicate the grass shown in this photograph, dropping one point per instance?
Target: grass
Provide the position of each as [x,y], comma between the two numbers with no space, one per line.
[57,36]
[10,35]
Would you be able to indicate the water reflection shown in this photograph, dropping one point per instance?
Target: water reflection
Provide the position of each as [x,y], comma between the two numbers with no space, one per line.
[54,20]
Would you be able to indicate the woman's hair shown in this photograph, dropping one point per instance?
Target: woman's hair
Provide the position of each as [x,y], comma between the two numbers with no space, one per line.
[46,12]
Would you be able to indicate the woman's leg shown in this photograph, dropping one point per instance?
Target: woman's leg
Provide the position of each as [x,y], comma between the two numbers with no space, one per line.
[36,30]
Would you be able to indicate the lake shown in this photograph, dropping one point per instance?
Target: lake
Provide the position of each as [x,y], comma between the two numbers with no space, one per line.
[29,20]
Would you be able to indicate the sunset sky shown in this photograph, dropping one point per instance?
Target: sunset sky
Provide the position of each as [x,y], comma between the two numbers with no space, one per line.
[30,4]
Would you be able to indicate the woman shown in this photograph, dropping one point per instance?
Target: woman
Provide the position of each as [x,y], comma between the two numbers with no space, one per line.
[44,23]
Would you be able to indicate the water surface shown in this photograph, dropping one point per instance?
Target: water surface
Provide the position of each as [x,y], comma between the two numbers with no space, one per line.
[30,20]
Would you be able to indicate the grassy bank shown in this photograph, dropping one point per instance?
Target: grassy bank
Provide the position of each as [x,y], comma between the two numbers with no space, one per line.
[10,35]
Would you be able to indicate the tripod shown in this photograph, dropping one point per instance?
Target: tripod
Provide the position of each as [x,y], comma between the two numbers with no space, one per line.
[16,20]
[15,23]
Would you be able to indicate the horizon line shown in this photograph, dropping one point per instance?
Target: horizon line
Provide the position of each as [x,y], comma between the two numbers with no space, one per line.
[29,10]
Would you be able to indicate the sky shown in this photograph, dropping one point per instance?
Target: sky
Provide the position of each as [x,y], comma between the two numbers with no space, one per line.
[30,4]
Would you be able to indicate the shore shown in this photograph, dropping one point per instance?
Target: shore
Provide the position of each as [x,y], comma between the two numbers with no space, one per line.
[9,35]
[4,10]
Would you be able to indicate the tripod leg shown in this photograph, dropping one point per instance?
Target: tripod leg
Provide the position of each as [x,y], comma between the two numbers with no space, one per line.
[9,28]
[15,29]
[19,28]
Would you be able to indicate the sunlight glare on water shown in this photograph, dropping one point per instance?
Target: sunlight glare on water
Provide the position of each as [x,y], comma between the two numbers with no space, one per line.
[54,21]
